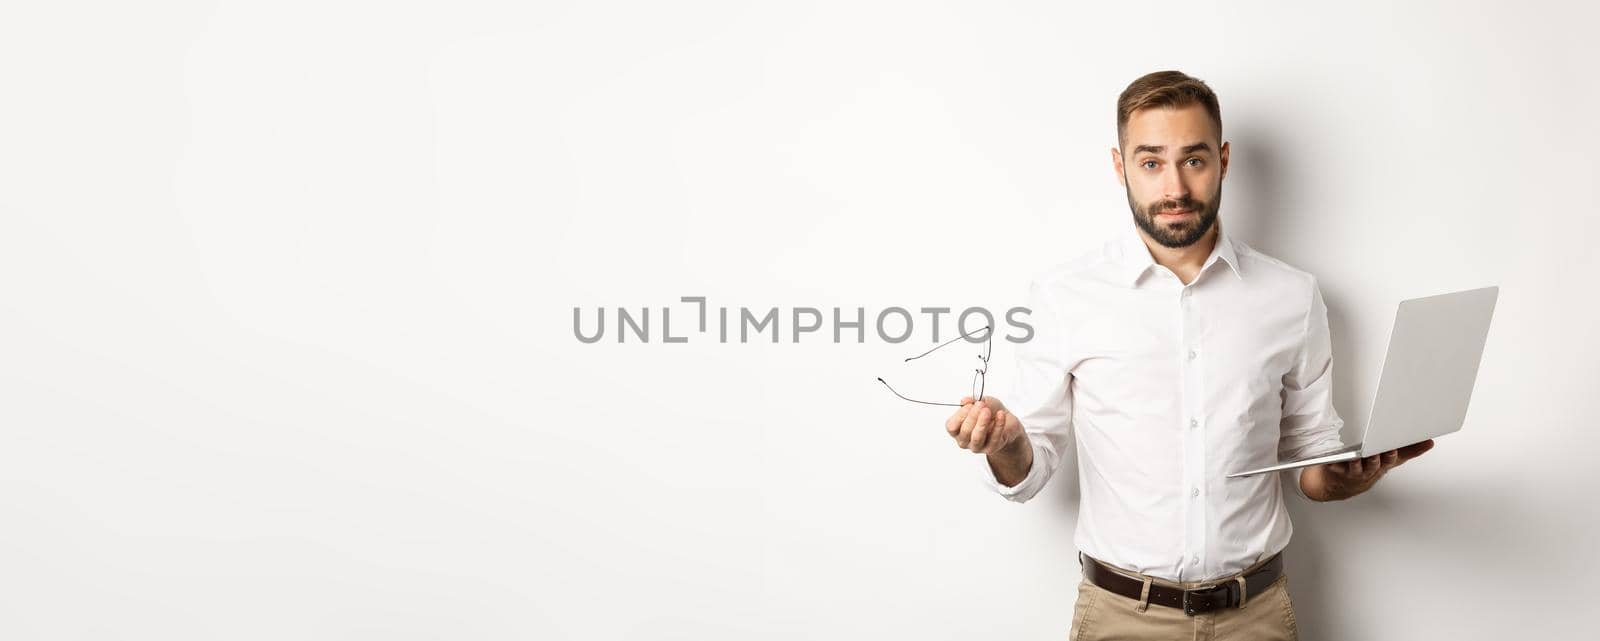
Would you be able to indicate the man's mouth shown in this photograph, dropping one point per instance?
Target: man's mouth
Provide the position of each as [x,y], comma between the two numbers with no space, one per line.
[1174,212]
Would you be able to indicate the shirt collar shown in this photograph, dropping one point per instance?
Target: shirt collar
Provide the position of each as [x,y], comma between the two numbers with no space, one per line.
[1136,258]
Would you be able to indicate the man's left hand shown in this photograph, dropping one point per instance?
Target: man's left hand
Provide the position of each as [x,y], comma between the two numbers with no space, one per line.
[1348,478]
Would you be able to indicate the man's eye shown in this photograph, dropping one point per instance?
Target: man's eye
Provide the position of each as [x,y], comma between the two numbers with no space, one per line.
[1148,164]
[1195,162]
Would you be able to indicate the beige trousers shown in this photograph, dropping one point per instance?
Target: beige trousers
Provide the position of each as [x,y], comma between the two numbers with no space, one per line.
[1102,615]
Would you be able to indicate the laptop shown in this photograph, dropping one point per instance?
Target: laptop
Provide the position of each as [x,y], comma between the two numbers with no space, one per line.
[1428,373]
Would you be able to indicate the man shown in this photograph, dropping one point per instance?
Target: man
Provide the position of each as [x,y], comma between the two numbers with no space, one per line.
[1173,356]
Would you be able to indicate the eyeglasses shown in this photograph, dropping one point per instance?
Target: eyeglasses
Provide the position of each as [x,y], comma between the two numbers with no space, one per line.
[979,375]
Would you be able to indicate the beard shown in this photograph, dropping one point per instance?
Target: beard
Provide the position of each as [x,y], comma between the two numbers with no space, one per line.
[1183,232]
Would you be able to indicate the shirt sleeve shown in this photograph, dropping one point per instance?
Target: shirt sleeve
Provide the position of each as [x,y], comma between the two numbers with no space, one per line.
[1310,424]
[1043,402]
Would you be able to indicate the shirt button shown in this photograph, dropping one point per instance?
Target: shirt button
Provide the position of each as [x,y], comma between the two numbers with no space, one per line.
[1191,354]
[1194,560]
[1194,492]
[1194,423]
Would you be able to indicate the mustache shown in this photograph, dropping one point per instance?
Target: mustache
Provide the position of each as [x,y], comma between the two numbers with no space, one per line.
[1187,204]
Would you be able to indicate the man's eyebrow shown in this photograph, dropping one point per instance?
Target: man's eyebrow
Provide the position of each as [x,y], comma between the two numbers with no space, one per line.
[1156,149]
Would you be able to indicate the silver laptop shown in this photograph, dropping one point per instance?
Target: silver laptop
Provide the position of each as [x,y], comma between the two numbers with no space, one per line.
[1428,373]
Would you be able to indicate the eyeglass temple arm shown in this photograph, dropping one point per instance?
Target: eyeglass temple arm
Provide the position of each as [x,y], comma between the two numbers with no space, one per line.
[947,343]
[891,390]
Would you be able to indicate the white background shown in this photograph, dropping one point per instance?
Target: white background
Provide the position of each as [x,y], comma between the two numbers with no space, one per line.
[286,297]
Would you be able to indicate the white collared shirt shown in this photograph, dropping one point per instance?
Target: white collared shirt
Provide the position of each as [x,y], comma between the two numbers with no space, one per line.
[1166,388]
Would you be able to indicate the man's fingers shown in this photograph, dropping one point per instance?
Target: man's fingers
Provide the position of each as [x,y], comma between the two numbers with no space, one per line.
[953,424]
[967,424]
[993,403]
[992,433]
[998,433]
[1415,449]
[1391,458]
[982,429]
[1014,429]
[980,425]
[983,432]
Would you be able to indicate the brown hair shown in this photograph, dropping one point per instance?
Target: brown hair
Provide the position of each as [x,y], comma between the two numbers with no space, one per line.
[1165,89]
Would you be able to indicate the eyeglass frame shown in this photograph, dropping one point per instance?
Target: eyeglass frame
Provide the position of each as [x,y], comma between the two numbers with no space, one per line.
[980,375]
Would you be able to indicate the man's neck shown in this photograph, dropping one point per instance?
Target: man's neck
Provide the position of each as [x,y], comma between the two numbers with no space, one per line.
[1183,261]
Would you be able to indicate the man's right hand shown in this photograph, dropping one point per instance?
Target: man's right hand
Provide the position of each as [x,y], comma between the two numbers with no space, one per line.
[985,427]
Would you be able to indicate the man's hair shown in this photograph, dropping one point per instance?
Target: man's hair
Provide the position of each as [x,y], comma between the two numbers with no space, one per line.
[1165,89]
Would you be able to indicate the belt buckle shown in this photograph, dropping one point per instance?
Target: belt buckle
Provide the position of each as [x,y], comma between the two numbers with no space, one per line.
[1189,608]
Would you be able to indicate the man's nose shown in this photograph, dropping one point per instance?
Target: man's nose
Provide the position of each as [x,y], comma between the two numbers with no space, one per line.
[1173,187]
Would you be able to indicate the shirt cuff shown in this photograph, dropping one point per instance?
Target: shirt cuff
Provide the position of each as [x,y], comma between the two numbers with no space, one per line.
[1296,483]
[1023,490]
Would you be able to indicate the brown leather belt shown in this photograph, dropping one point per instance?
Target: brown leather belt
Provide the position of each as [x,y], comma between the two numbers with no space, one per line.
[1224,594]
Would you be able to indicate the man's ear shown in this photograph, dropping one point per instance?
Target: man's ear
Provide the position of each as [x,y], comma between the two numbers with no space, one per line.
[1224,155]
[1116,164]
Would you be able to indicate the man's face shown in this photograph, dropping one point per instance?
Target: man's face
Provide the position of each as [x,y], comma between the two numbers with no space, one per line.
[1172,167]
